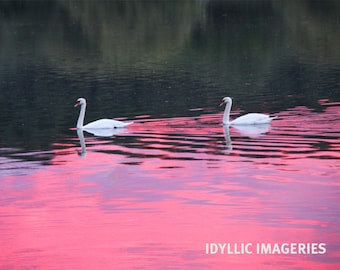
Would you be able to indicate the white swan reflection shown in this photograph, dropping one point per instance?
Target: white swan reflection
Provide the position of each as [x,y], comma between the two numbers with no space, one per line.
[228,143]
[96,132]
[251,131]
[102,132]
[80,134]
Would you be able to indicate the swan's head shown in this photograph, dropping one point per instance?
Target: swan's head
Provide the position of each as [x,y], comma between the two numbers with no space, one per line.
[80,102]
[226,100]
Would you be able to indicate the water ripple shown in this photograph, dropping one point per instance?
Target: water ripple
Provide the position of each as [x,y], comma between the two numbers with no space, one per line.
[298,133]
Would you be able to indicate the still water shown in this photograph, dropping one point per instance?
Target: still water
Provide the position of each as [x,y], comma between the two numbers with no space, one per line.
[161,193]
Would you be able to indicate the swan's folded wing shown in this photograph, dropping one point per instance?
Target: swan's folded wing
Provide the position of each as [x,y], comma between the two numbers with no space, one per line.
[252,119]
[106,124]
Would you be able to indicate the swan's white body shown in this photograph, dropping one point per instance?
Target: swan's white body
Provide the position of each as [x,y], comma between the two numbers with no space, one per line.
[98,124]
[248,119]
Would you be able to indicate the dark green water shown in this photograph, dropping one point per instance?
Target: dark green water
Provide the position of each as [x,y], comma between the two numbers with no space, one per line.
[157,58]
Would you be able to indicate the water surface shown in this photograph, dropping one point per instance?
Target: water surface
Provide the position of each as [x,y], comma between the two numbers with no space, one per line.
[152,195]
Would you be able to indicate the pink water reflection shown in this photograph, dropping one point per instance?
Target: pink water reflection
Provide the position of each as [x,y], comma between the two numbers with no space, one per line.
[153,197]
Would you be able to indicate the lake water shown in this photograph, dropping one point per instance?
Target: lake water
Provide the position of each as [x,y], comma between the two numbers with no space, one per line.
[169,189]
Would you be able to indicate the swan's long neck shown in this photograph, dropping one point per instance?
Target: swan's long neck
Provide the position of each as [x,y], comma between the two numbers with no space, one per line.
[226,114]
[81,117]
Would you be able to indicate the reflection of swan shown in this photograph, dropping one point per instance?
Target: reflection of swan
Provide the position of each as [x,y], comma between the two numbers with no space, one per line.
[97,132]
[80,134]
[102,132]
[252,130]
[228,143]
[248,119]
[99,124]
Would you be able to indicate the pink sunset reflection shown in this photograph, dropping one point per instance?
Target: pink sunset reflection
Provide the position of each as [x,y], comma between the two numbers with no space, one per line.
[153,196]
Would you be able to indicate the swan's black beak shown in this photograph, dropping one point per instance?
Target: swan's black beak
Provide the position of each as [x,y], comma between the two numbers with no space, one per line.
[77,104]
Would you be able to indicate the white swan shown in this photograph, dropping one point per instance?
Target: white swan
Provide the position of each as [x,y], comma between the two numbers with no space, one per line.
[248,119]
[99,124]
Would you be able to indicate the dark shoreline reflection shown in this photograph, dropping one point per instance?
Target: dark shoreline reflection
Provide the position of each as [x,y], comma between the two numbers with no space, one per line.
[200,51]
